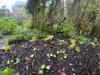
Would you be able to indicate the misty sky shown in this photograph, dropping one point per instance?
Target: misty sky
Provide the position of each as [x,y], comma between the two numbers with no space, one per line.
[9,3]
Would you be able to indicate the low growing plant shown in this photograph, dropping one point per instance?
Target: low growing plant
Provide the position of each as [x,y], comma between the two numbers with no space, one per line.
[34,39]
[73,45]
[59,55]
[49,37]
[43,68]
[61,42]
[19,37]
[6,47]
[67,28]
[7,71]
[7,25]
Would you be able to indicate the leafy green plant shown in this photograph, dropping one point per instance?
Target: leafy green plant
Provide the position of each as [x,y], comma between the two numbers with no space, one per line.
[59,55]
[95,42]
[7,71]
[7,25]
[42,69]
[19,37]
[6,47]
[83,39]
[67,28]
[17,61]
[34,39]
[49,37]
[73,45]
[27,24]
[61,42]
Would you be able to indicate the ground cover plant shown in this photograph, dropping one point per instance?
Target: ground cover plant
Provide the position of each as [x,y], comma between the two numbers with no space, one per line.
[7,25]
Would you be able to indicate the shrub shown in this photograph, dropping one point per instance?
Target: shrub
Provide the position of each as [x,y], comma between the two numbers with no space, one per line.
[67,28]
[27,24]
[87,21]
[18,37]
[7,25]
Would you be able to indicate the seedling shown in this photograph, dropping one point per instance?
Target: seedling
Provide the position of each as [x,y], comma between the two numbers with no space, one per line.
[34,39]
[61,42]
[49,37]
[17,61]
[59,55]
[73,45]
[6,47]
[43,67]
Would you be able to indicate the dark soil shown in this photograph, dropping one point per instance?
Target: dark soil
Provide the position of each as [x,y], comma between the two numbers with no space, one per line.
[32,56]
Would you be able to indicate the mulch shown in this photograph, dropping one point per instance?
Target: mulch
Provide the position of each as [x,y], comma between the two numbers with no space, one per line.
[33,55]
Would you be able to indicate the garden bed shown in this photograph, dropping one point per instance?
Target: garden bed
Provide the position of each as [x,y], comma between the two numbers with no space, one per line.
[51,58]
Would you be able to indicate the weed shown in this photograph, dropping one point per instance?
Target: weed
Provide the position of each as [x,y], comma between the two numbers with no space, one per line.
[7,25]
[34,39]
[49,37]
[73,45]
[6,47]
[61,42]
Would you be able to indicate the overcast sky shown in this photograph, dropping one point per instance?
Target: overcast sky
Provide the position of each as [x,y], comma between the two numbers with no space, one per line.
[9,3]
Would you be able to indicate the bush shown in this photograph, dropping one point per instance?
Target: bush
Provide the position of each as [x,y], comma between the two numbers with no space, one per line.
[7,25]
[18,37]
[27,24]
[67,28]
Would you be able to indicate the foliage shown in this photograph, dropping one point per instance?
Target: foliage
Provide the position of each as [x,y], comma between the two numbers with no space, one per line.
[42,69]
[87,19]
[19,37]
[27,24]
[34,39]
[61,42]
[42,26]
[95,42]
[86,40]
[73,45]
[7,71]
[60,55]
[67,28]
[7,25]
[49,37]
[6,47]
[83,39]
